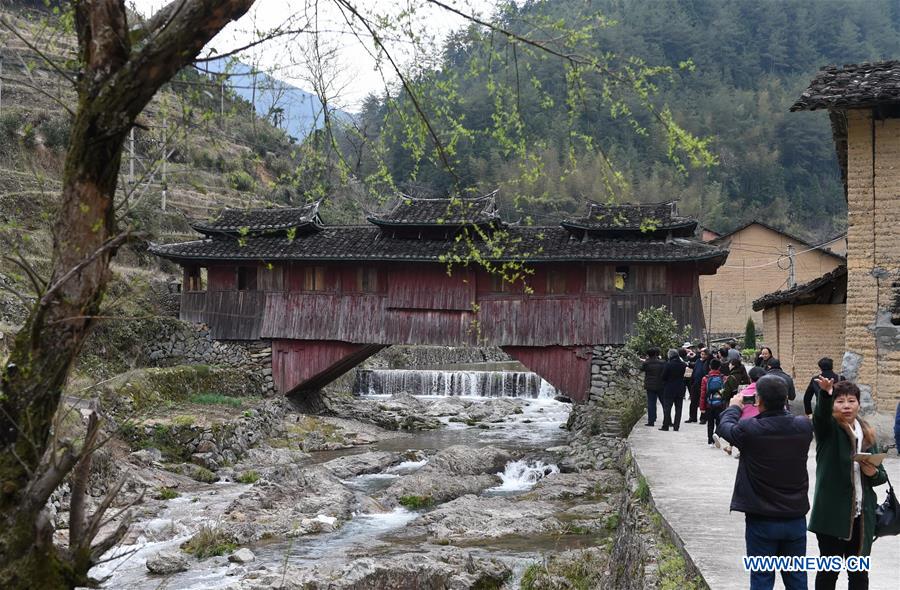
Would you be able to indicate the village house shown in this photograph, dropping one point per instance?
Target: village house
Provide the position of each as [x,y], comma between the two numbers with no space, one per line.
[863,103]
[758,263]
[327,297]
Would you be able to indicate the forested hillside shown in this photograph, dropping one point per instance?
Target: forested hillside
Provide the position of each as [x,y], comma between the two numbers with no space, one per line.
[743,63]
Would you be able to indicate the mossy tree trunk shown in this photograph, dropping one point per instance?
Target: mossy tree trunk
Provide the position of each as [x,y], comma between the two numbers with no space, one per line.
[121,70]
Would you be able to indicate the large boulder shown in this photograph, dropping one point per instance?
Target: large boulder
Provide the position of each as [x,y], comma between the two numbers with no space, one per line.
[435,568]
[427,488]
[362,464]
[465,460]
[167,562]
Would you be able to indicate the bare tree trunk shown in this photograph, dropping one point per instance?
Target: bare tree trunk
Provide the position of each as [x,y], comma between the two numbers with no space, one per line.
[116,83]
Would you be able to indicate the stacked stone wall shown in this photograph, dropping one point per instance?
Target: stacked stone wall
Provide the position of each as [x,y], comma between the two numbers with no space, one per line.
[873,264]
[184,343]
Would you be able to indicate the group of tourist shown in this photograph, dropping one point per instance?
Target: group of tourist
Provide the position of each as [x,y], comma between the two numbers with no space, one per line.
[747,414]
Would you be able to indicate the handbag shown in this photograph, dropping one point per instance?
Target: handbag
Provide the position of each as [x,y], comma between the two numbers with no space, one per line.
[887,514]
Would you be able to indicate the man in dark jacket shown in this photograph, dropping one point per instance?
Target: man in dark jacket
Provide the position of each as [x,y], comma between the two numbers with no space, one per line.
[673,390]
[775,369]
[826,368]
[897,429]
[653,383]
[772,483]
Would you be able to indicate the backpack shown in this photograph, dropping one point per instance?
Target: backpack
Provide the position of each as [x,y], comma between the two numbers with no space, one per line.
[715,399]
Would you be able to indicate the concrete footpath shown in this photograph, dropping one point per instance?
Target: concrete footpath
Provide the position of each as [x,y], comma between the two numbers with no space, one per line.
[691,485]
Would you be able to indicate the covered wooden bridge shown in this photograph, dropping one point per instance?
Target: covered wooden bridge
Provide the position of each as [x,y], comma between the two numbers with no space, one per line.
[328,297]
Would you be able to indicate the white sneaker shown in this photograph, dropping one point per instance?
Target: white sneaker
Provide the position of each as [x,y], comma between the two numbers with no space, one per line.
[717,441]
[736,452]
[727,449]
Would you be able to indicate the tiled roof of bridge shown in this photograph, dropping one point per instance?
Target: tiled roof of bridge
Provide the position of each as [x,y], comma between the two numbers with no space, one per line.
[259,221]
[411,211]
[632,218]
[852,86]
[535,244]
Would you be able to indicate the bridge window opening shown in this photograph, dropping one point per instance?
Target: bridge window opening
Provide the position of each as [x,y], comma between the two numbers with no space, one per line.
[314,278]
[367,280]
[600,278]
[623,280]
[246,278]
[195,278]
[556,282]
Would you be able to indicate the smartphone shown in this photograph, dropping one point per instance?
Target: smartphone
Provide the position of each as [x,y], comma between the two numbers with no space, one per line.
[749,399]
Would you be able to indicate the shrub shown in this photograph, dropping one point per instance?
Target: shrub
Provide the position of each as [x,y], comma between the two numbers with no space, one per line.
[165,493]
[209,541]
[416,502]
[185,420]
[643,489]
[203,474]
[656,326]
[248,477]
[240,180]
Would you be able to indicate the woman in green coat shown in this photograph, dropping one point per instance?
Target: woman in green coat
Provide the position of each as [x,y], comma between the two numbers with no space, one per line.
[843,511]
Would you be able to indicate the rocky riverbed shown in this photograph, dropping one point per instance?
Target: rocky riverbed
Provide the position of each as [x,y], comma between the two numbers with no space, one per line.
[388,492]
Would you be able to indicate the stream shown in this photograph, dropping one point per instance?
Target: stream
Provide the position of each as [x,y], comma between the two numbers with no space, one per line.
[526,435]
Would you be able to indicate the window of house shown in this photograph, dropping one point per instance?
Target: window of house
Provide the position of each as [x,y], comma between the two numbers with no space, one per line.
[195,278]
[314,278]
[246,278]
[367,280]
[499,284]
[600,278]
[556,282]
[624,282]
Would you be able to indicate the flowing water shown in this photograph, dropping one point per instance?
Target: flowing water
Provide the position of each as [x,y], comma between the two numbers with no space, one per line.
[538,427]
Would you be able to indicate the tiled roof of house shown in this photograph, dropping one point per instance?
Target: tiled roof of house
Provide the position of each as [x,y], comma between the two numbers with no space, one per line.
[852,86]
[647,218]
[259,221]
[411,211]
[829,288]
[534,244]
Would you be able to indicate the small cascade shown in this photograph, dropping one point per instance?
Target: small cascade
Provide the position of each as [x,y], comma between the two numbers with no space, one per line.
[519,476]
[453,383]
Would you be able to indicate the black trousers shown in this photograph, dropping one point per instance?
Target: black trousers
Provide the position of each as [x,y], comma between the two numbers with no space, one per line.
[712,421]
[829,545]
[695,403]
[668,401]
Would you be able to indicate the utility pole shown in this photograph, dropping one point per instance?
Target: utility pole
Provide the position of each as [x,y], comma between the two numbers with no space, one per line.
[792,279]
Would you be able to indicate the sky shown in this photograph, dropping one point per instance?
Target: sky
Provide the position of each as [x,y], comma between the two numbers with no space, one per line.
[351,74]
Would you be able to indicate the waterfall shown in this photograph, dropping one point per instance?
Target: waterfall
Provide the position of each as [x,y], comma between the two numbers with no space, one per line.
[521,475]
[453,383]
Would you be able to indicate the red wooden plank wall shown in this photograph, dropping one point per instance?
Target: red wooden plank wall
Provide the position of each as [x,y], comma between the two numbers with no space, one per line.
[313,362]
[566,368]
[222,278]
[422,286]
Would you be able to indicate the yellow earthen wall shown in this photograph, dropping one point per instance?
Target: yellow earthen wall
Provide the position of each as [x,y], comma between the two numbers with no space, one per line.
[728,295]
[873,242]
[803,334]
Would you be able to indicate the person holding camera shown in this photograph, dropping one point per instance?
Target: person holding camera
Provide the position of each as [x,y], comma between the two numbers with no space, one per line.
[843,512]
[772,482]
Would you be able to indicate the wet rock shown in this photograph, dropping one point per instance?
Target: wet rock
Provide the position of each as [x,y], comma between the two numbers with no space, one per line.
[167,562]
[426,488]
[474,518]
[290,501]
[362,464]
[146,457]
[438,568]
[264,457]
[242,555]
[564,486]
[465,460]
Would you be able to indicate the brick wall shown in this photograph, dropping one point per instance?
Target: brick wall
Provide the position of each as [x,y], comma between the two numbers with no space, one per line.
[801,335]
[729,294]
[873,241]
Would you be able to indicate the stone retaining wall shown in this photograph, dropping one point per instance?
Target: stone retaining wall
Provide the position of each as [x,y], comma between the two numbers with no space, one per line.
[183,343]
